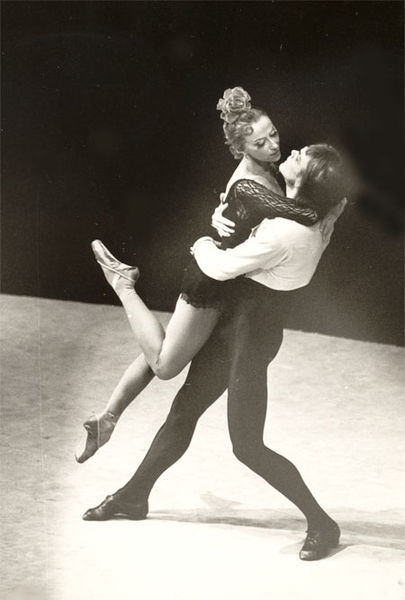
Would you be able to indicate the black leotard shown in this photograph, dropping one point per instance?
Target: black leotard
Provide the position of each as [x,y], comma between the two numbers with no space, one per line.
[249,203]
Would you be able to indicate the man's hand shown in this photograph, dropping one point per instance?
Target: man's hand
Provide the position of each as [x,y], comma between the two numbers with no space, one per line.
[225,227]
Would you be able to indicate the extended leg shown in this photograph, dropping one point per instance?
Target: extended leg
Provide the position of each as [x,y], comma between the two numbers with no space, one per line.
[206,381]
[137,376]
[188,330]
[99,427]
[134,380]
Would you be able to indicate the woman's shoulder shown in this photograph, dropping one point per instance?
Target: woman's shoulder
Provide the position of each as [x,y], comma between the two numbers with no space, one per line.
[255,182]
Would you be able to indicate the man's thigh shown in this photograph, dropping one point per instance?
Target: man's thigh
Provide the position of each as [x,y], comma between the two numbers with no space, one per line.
[246,339]
[207,378]
[257,334]
[256,327]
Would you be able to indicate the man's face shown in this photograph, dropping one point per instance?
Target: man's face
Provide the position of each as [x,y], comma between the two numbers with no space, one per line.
[263,144]
[294,167]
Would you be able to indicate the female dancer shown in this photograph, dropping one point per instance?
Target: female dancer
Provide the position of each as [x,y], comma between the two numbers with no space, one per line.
[252,194]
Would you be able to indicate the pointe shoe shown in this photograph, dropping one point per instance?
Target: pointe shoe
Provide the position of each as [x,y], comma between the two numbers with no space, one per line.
[320,541]
[118,274]
[99,430]
[112,506]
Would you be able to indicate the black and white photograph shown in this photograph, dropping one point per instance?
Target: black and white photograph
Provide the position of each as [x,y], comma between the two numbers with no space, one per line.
[202,300]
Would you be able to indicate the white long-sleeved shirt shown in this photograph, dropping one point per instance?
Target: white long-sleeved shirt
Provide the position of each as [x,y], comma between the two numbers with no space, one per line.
[280,254]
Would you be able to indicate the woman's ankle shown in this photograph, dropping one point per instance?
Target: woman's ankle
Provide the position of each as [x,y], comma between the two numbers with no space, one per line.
[111,414]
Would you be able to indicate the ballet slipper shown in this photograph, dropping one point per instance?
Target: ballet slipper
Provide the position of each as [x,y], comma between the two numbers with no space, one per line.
[99,430]
[121,277]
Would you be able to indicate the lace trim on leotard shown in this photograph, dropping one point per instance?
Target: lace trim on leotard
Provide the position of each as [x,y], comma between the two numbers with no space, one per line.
[254,201]
[249,202]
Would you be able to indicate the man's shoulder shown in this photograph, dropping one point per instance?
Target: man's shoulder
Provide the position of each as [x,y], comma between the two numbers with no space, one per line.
[286,231]
[279,224]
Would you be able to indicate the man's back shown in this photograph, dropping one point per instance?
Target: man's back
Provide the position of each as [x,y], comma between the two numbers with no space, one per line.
[280,254]
[294,253]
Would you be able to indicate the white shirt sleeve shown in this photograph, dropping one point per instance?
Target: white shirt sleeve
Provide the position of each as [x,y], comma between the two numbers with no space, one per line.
[257,252]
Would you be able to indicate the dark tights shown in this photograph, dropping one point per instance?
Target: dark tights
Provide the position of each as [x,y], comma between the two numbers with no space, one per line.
[236,356]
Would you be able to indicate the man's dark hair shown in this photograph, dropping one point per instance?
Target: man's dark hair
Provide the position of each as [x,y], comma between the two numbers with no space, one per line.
[324,182]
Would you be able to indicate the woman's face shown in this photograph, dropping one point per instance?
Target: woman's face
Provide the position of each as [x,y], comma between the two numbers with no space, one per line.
[264,143]
[294,167]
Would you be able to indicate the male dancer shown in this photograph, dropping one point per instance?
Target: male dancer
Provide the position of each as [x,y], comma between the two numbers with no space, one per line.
[280,256]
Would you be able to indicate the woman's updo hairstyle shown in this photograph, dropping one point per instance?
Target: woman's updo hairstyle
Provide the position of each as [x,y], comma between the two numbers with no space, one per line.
[238,115]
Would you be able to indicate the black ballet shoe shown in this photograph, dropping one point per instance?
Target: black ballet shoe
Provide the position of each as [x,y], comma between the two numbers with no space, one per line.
[114,270]
[112,506]
[319,541]
[99,429]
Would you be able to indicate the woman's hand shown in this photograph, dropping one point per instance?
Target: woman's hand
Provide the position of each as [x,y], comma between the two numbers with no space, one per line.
[225,227]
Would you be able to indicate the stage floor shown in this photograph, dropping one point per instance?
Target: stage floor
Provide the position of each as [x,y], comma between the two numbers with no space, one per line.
[215,531]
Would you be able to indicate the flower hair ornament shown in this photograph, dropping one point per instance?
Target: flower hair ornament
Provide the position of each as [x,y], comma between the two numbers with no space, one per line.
[234,102]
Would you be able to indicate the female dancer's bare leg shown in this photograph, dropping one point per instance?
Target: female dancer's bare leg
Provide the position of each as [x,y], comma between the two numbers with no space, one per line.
[188,330]
[100,427]
[164,354]
[167,353]
[134,380]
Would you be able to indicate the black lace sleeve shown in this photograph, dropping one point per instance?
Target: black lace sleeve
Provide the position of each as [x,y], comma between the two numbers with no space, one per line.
[250,202]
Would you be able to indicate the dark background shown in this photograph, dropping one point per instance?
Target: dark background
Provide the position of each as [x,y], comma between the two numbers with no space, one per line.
[110,131]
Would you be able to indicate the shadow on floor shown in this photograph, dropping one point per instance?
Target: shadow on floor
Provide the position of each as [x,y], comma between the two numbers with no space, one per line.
[355,531]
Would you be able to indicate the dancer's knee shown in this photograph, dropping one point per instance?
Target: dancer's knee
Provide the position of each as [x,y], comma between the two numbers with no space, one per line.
[164,373]
[164,370]
[246,453]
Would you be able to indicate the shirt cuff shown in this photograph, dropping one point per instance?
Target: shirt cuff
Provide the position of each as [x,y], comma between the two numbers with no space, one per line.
[200,241]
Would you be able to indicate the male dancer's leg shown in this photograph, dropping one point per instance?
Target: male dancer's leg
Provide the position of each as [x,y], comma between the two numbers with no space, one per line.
[256,338]
[206,381]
